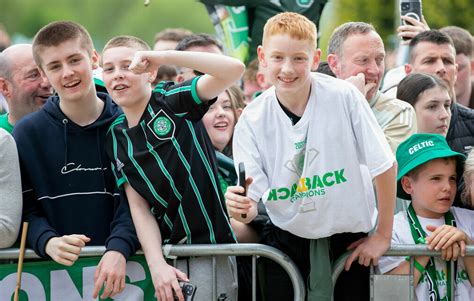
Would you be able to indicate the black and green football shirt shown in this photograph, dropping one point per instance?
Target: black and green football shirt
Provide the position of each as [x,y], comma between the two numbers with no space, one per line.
[169,160]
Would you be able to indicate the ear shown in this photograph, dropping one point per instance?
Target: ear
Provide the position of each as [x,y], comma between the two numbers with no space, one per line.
[179,78]
[316,60]
[238,112]
[261,56]
[95,59]
[152,75]
[6,88]
[333,63]
[407,184]
[408,69]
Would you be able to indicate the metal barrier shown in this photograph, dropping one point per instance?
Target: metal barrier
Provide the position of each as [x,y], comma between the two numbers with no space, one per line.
[253,250]
[402,250]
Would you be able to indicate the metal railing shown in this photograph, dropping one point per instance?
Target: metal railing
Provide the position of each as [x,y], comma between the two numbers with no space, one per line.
[172,251]
[404,250]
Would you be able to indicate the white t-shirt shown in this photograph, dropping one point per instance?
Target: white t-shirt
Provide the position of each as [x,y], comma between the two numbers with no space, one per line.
[402,235]
[315,177]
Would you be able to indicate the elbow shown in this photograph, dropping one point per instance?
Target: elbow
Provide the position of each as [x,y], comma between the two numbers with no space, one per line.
[239,69]
[8,236]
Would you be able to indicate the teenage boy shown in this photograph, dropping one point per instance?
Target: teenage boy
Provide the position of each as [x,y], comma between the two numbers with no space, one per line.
[164,159]
[427,176]
[312,146]
[69,194]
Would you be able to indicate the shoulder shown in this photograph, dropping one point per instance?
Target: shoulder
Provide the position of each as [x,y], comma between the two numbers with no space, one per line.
[387,102]
[6,140]
[464,112]
[260,107]
[462,214]
[30,122]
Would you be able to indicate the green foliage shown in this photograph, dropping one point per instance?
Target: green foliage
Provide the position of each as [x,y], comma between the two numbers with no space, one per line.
[106,18]
[384,15]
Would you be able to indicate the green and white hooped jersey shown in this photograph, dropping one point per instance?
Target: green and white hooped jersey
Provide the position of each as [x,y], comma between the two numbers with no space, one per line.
[169,160]
[315,177]
[401,234]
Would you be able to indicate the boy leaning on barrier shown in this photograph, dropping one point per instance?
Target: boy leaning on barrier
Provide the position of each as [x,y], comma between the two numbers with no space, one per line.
[69,195]
[164,159]
[312,146]
[427,176]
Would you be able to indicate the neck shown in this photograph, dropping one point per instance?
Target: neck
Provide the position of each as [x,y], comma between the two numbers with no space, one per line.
[83,112]
[426,213]
[296,102]
[135,111]
[465,96]
[11,119]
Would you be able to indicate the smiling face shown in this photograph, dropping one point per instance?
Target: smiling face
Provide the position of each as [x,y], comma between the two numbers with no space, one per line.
[433,188]
[361,53]
[68,66]
[288,63]
[220,121]
[433,112]
[28,91]
[125,87]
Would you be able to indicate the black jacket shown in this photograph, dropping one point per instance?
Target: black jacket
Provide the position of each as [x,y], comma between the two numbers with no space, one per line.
[460,135]
[68,187]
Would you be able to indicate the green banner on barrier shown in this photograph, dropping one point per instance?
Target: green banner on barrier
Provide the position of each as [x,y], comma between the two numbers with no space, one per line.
[49,281]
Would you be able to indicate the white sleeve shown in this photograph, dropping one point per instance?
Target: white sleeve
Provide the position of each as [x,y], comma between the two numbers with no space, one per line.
[10,191]
[373,149]
[245,149]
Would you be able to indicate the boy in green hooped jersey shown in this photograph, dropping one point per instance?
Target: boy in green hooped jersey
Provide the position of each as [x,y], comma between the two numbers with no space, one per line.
[165,161]
[427,175]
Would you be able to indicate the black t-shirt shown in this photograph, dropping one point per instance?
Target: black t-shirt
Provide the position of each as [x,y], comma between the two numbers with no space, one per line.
[169,160]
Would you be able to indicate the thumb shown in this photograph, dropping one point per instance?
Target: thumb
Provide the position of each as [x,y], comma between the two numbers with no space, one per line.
[248,181]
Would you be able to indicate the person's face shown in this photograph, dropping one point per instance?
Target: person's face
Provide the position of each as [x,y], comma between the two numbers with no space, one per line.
[362,53]
[463,81]
[69,67]
[125,87]
[288,63]
[434,189]
[220,121]
[433,112]
[165,45]
[249,90]
[431,58]
[29,90]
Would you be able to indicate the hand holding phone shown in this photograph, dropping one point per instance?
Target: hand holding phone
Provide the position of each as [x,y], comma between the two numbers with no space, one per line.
[188,289]
[242,181]
[410,8]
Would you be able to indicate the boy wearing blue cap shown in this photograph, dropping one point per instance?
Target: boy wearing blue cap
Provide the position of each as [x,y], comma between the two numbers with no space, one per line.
[427,175]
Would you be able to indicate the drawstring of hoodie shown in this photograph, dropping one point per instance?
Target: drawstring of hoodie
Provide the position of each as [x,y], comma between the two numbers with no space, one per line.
[65,122]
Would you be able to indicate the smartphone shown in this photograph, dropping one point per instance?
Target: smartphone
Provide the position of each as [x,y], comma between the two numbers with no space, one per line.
[242,181]
[188,289]
[410,8]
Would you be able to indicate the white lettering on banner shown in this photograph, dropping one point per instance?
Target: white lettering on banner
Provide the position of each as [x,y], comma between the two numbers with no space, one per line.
[30,285]
[63,287]
[135,272]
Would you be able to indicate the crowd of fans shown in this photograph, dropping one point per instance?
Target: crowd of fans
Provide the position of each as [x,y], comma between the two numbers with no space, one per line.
[150,160]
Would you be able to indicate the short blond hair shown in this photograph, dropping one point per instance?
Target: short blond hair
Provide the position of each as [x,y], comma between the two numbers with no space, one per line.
[295,25]
[468,172]
[125,41]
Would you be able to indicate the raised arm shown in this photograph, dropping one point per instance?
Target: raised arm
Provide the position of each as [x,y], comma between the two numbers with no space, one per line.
[220,71]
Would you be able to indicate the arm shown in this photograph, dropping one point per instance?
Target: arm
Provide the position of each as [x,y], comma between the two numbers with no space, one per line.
[220,71]
[163,275]
[404,268]
[10,191]
[369,249]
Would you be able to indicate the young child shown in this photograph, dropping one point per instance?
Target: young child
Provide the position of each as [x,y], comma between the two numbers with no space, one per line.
[164,159]
[70,199]
[467,195]
[312,146]
[427,176]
